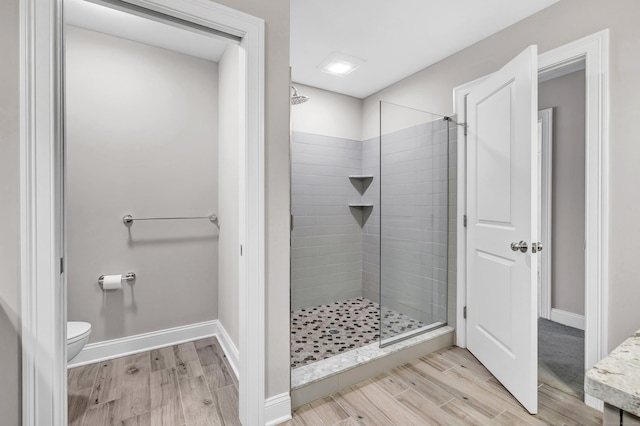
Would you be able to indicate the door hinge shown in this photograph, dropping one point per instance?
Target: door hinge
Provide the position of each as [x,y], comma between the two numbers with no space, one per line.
[61,265]
[464,312]
[241,250]
[465,220]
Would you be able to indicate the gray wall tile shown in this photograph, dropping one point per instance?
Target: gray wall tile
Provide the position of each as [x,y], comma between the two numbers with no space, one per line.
[326,256]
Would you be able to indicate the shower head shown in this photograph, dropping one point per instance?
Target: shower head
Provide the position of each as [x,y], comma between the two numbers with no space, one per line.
[297,99]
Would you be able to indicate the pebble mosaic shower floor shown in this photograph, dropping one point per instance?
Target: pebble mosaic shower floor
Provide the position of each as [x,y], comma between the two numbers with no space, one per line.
[321,332]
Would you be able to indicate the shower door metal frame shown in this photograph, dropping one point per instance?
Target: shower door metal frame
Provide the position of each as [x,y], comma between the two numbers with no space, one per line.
[594,50]
[43,283]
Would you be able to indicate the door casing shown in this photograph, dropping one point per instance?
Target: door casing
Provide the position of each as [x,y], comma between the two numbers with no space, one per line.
[43,289]
[594,50]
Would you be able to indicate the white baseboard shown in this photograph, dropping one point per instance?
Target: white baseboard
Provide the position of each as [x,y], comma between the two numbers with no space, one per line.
[116,348]
[594,402]
[229,348]
[567,318]
[277,409]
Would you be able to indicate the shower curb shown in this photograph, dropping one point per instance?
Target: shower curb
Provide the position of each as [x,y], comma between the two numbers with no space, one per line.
[322,378]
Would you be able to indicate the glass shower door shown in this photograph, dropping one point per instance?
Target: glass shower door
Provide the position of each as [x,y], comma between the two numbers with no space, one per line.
[413,218]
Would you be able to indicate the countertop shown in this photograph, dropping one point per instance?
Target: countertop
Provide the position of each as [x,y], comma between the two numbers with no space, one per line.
[616,378]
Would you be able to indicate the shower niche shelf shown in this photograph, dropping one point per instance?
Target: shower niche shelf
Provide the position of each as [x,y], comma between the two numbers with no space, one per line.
[361,182]
[361,212]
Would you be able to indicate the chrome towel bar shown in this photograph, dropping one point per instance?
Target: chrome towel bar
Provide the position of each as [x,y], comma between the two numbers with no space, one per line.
[128,219]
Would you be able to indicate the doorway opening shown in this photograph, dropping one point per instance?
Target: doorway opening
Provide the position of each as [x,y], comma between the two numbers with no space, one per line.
[44,231]
[561,295]
[144,184]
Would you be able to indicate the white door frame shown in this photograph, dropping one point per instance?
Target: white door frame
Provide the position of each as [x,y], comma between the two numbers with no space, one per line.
[44,372]
[594,50]
[545,117]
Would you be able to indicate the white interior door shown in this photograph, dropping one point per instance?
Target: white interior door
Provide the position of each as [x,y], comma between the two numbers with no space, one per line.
[502,197]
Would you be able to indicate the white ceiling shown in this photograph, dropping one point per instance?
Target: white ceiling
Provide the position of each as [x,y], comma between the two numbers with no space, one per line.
[396,38]
[91,16]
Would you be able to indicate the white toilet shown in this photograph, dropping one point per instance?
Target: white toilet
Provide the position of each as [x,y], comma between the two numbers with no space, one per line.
[77,336]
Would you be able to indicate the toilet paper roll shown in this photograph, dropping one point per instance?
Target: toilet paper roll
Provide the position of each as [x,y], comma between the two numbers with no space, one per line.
[112,282]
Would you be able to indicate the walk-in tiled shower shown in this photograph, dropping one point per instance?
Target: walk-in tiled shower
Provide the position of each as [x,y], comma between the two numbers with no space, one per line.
[371,237]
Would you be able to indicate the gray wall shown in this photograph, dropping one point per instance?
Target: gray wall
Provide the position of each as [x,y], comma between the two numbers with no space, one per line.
[566,21]
[228,186]
[9,215]
[326,256]
[566,95]
[141,140]
[328,114]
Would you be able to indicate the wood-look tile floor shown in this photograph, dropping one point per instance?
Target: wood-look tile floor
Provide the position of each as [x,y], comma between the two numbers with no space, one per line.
[182,385]
[448,387]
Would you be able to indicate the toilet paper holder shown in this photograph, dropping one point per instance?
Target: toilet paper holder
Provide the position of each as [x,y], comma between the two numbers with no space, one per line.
[130,276]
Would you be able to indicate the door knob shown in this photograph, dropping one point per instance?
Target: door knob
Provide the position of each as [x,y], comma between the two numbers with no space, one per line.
[522,246]
[536,247]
